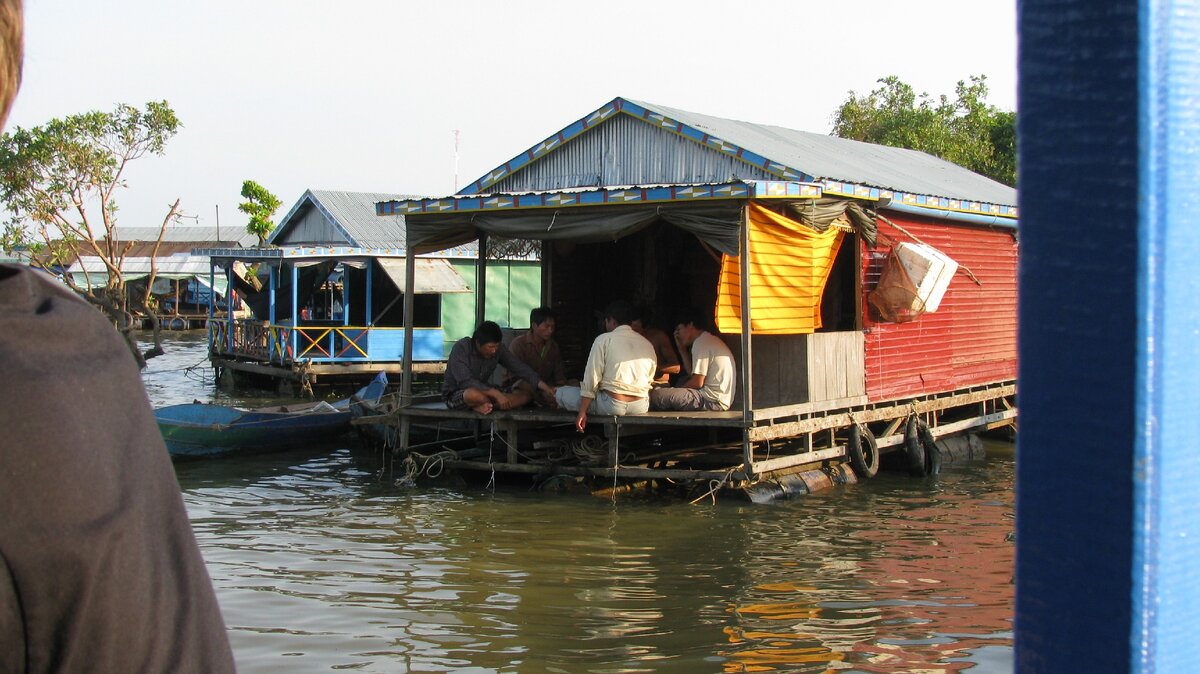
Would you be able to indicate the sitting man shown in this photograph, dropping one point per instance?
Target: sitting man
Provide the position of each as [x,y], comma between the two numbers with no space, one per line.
[470,366]
[619,368]
[708,362]
[538,350]
[664,348]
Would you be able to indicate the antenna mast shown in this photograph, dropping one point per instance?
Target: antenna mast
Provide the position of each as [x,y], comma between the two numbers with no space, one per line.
[456,161]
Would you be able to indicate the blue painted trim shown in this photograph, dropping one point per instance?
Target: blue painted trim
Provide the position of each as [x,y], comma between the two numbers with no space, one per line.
[954,216]
[1166,467]
[603,196]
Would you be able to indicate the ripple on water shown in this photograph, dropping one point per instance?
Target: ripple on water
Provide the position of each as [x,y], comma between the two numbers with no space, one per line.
[321,563]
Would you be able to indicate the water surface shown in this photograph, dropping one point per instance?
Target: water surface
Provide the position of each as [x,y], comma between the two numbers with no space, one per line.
[324,560]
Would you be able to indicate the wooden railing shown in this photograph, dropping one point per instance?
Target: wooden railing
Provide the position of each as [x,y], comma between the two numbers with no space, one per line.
[285,344]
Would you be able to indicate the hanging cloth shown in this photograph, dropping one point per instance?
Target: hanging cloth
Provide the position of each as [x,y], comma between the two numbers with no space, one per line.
[789,265]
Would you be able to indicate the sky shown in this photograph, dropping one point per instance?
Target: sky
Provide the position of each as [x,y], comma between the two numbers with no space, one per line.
[369,96]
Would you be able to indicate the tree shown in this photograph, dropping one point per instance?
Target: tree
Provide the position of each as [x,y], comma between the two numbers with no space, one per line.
[59,183]
[260,205]
[966,130]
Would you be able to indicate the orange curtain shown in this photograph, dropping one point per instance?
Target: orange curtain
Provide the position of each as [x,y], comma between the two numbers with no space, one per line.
[789,265]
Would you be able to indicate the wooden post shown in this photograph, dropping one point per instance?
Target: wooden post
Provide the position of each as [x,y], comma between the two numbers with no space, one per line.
[747,382]
[406,384]
[481,280]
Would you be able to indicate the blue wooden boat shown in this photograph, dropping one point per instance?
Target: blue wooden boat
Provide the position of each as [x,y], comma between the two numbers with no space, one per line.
[200,429]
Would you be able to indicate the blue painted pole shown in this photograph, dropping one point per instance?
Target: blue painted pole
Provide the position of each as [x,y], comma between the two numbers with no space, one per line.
[346,294]
[212,302]
[370,283]
[228,307]
[272,282]
[1108,461]
[295,309]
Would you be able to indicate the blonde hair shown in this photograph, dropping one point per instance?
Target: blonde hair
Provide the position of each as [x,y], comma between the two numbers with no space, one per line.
[12,46]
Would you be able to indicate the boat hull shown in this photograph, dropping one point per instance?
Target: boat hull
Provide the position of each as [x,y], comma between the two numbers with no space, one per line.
[198,429]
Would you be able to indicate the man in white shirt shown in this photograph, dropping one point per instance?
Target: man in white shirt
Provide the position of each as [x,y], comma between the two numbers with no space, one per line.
[620,367]
[709,363]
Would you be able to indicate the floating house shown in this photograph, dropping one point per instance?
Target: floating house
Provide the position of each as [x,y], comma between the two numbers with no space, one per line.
[868,294]
[324,296]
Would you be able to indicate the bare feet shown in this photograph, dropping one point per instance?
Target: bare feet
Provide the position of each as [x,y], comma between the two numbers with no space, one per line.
[485,408]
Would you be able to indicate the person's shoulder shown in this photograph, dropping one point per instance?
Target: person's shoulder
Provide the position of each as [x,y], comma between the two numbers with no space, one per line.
[716,343]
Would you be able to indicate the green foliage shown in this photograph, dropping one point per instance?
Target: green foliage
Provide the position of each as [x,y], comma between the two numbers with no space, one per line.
[59,183]
[59,180]
[260,205]
[966,130]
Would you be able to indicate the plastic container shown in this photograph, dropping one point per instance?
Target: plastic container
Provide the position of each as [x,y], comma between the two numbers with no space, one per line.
[930,270]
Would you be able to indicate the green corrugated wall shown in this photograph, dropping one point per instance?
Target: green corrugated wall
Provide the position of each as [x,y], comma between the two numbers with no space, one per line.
[513,289]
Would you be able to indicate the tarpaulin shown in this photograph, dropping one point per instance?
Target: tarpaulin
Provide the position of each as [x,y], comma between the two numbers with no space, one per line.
[789,265]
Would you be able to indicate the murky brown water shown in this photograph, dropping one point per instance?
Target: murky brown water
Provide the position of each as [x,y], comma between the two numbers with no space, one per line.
[323,562]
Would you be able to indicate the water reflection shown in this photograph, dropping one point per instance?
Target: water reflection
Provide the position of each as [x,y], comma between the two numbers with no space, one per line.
[323,562]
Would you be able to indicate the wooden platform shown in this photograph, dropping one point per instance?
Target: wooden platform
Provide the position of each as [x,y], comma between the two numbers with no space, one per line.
[690,446]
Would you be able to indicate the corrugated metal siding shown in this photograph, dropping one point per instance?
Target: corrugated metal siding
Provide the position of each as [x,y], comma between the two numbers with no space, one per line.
[625,151]
[310,226]
[971,339]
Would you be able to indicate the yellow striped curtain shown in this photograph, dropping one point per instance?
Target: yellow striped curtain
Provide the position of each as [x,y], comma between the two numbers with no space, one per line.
[789,265]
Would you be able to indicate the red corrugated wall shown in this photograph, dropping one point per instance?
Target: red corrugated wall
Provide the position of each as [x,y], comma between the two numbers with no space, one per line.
[972,337]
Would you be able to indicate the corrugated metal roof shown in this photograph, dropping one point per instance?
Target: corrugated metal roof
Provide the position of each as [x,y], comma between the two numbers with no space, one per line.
[675,146]
[832,158]
[235,235]
[174,265]
[352,213]
[432,275]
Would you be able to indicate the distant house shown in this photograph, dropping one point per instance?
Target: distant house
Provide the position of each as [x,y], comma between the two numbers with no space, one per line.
[329,291]
[181,280]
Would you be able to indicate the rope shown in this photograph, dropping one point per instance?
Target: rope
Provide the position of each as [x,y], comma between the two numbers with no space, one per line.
[714,487]
[589,449]
[430,466]
[492,464]
[912,236]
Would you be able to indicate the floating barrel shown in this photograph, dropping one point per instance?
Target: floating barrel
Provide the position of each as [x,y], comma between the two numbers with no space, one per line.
[799,484]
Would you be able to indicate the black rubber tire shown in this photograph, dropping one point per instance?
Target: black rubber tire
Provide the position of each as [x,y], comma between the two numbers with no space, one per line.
[913,449]
[933,454]
[863,452]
